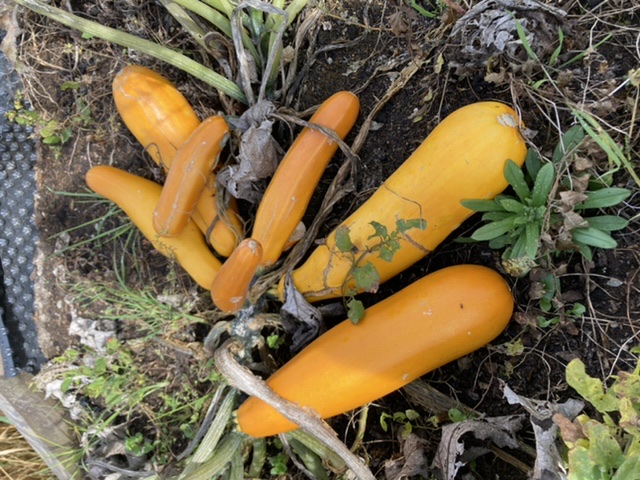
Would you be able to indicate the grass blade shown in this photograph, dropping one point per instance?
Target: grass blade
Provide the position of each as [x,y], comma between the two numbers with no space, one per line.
[604,141]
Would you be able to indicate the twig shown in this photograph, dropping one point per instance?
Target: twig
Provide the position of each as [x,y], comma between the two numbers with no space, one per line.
[241,378]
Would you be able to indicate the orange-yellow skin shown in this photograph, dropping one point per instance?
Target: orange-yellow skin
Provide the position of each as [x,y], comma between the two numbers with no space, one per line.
[289,192]
[162,120]
[138,197]
[155,112]
[187,177]
[433,321]
[462,158]
[230,287]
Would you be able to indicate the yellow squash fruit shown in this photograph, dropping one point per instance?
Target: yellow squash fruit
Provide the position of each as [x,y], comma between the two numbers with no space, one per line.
[289,192]
[435,320]
[162,120]
[230,287]
[187,177]
[463,158]
[138,197]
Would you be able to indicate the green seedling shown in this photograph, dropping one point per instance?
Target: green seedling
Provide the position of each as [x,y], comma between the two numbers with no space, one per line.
[437,9]
[365,275]
[544,206]
[404,419]
[51,131]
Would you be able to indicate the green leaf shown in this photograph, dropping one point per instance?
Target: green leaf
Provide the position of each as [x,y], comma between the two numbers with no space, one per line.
[412,415]
[629,468]
[593,237]
[607,223]
[496,216]
[543,185]
[355,310]
[500,242]
[519,247]
[383,421]
[456,415]
[532,163]
[605,197]
[515,176]
[604,449]
[481,205]
[66,384]
[379,230]
[388,249]
[275,341]
[590,388]
[366,277]
[52,140]
[511,205]
[585,251]
[568,142]
[532,239]
[494,229]
[404,225]
[581,467]
[628,386]
[343,239]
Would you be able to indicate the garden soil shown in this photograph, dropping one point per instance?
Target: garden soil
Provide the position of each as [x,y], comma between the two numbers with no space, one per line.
[364,47]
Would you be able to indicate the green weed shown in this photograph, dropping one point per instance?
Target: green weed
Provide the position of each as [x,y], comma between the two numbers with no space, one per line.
[364,275]
[549,213]
[606,447]
[405,420]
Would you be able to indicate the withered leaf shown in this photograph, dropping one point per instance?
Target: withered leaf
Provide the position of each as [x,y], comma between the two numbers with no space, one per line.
[452,453]
[571,198]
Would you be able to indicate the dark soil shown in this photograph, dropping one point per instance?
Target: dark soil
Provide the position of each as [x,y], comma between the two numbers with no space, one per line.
[386,33]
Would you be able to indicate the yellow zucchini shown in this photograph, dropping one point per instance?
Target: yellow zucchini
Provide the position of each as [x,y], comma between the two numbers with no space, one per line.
[155,111]
[188,174]
[290,190]
[464,157]
[435,320]
[230,287]
[138,197]
[162,120]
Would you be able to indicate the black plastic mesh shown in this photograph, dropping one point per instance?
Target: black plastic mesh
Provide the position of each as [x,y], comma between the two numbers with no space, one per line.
[18,234]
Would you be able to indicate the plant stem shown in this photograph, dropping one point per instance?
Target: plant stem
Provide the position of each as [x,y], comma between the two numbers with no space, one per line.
[223,6]
[183,18]
[131,41]
[220,22]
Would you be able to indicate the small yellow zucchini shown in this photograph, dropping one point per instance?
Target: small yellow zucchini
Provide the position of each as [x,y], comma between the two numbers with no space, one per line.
[153,109]
[222,232]
[188,174]
[290,190]
[230,287]
[162,120]
[138,197]
[462,158]
[437,319]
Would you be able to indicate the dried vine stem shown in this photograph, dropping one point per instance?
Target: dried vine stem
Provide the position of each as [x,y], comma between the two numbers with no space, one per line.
[241,378]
